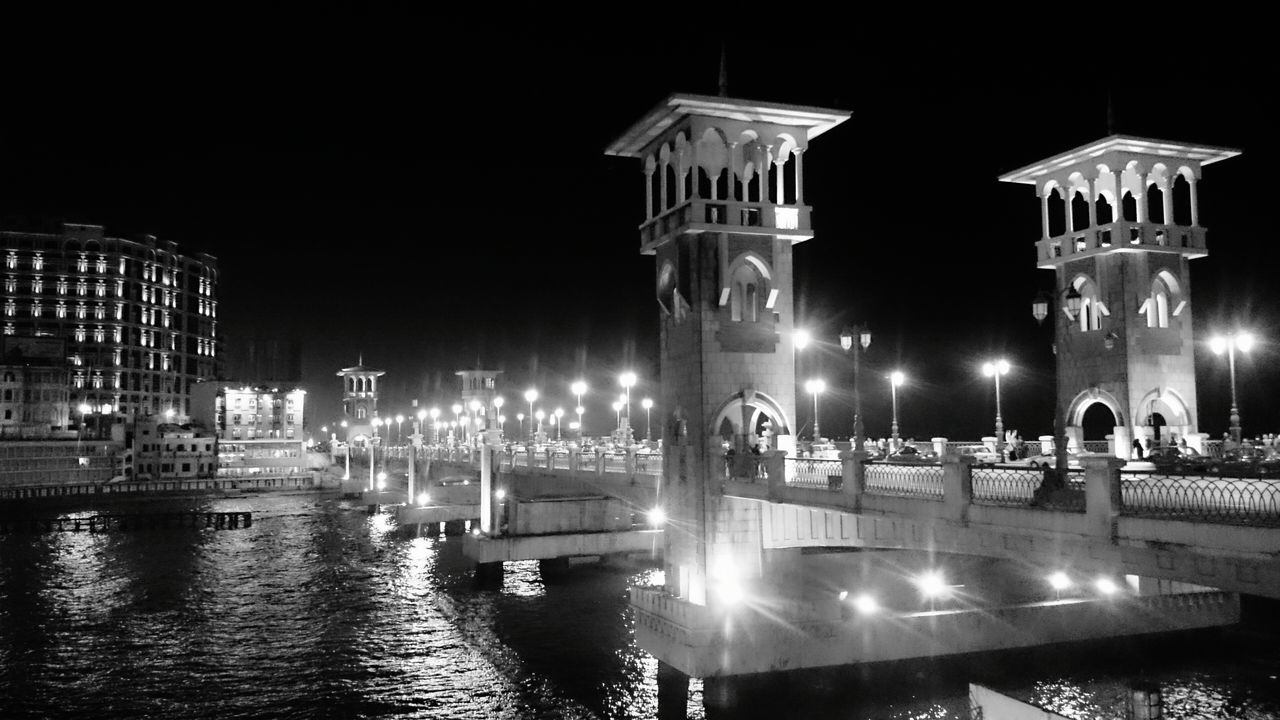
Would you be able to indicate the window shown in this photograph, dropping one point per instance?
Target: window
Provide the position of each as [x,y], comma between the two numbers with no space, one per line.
[235,419]
[744,295]
[359,413]
[37,286]
[61,310]
[10,284]
[11,261]
[102,264]
[82,287]
[62,286]
[35,309]
[82,264]
[37,261]
[79,334]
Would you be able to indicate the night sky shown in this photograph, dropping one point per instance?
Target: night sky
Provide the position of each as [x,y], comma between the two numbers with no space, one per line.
[438,198]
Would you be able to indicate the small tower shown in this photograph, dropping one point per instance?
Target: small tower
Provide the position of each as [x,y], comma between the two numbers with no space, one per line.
[1120,221]
[359,399]
[724,204]
[480,386]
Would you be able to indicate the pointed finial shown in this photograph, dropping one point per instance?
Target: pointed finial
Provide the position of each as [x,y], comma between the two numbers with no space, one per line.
[724,72]
[360,362]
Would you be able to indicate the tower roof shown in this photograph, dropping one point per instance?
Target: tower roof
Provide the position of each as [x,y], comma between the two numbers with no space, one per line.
[1204,154]
[632,143]
[361,370]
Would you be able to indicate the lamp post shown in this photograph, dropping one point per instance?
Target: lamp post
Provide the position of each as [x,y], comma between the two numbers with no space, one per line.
[579,388]
[627,380]
[815,388]
[863,335]
[422,426]
[1243,342]
[559,413]
[1071,303]
[377,423]
[502,425]
[896,378]
[457,414]
[498,402]
[996,369]
[520,421]
[647,404]
[539,416]
[435,424]
[399,424]
[617,414]
[530,396]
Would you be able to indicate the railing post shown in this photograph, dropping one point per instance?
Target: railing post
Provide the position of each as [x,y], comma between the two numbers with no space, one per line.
[529,451]
[1102,493]
[775,469]
[574,453]
[854,469]
[957,485]
[551,459]
[630,462]
[600,461]
[939,446]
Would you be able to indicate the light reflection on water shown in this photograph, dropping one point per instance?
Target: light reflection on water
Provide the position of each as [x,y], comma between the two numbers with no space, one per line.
[320,610]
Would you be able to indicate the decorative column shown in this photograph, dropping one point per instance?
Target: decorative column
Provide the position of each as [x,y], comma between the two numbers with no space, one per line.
[1117,212]
[680,168]
[648,193]
[1195,204]
[1093,203]
[1044,214]
[693,169]
[730,191]
[662,184]
[1140,197]
[1166,196]
[799,153]
[781,189]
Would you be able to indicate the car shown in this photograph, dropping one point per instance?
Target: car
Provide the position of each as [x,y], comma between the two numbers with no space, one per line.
[910,454]
[1044,460]
[1245,461]
[1178,460]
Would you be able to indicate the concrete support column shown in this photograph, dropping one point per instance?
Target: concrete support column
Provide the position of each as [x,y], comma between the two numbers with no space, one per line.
[662,201]
[599,461]
[551,459]
[1122,443]
[1140,197]
[673,693]
[939,446]
[799,152]
[729,190]
[957,485]
[680,168]
[575,454]
[1195,204]
[775,467]
[1102,494]
[781,186]
[1166,197]
[630,463]
[693,170]
[854,470]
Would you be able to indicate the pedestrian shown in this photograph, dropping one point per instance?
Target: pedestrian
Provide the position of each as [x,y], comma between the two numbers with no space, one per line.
[1137,448]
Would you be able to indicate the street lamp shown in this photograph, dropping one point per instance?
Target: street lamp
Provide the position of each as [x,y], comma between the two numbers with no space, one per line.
[530,395]
[1243,342]
[815,388]
[498,402]
[539,416]
[627,380]
[579,388]
[502,424]
[520,421]
[863,335]
[435,422]
[1071,304]
[399,423]
[617,413]
[558,414]
[377,423]
[896,378]
[801,339]
[422,423]
[579,410]
[996,369]
[647,404]
[457,414]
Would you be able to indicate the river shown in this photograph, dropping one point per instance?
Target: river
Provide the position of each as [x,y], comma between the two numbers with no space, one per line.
[320,610]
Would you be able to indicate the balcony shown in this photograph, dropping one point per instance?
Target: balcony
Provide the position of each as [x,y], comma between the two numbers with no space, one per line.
[1121,236]
[744,218]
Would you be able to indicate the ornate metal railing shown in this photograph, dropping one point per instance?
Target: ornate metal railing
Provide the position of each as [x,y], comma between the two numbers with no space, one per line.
[820,473]
[1097,446]
[1018,487]
[904,480]
[1221,500]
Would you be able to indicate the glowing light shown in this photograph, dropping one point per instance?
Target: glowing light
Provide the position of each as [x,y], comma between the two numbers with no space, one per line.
[474,405]
[579,387]
[647,403]
[530,395]
[1060,581]
[844,594]
[168,414]
[730,592]
[815,387]
[500,494]
[424,498]
[85,409]
[866,605]
[422,415]
[657,516]
[897,378]
[1106,586]
[498,402]
[932,585]
[1244,341]
[801,339]
[627,379]
[999,367]
[475,531]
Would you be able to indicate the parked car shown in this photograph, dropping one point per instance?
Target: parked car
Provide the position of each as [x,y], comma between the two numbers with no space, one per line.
[1178,460]
[1247,460]
[1045,460]
[910,454]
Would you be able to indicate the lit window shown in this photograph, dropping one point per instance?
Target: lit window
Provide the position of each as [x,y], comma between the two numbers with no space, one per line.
[166,319]
[122,266]
[80,311]
[119,311]
[119,288]
[102,264]
[82,264]
[97,381]
[77,360]
[62,286]
[35,309]
[79,381]
[115,381]
[62,310]
[102,289]
[116,335]
[9,329]
[37,285]
[99,334]
[82,287]
[11,261]
[37,262]
[10,308]
[10,285]
[100,312]
[115,360]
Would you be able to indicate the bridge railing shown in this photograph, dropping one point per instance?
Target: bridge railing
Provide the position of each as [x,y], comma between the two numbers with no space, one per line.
[821,473]
[924,481]
[1026,487]
[1201,499]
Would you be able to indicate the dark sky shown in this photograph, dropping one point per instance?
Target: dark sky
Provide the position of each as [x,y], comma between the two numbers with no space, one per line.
[438,197]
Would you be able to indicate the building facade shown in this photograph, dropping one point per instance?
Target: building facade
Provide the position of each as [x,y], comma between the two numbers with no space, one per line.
[35,397]
[166,451]
[1120,222]
[258,429]
[138,317]
[359,401]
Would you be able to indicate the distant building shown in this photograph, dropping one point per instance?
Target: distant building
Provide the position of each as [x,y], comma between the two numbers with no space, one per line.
[34,393]
[258,429]
[359,401]
[265,360]
[166,451]
[139,318]
[479,391]
[66,462]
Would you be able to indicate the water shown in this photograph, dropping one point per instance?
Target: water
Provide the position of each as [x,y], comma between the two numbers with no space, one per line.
[323,611]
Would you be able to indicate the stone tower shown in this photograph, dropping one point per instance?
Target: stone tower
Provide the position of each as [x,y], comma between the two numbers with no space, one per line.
[1120,221]
[724,204]
[359,398]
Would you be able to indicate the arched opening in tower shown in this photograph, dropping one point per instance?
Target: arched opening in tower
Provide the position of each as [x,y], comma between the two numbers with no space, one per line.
[1098,422]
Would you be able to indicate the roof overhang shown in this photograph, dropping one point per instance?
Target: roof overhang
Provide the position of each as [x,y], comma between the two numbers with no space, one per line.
[675,107]
[1204,154]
